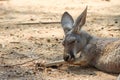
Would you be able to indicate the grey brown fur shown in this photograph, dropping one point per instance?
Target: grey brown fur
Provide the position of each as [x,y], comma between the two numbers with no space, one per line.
[102,53]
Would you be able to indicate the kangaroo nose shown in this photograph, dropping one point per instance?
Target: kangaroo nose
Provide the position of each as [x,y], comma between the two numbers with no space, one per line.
[66,57]
[69,56]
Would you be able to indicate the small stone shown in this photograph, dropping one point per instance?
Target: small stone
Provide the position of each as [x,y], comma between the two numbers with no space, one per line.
[48,40]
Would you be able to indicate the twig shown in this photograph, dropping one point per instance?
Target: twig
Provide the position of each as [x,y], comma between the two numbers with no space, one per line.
[55,63]
[114,30]
[26,62]
[31,23]
[30,60]
[20,63]
[23,62]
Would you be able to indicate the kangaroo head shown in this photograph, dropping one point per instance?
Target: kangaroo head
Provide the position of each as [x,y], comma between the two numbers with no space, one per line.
[75,39]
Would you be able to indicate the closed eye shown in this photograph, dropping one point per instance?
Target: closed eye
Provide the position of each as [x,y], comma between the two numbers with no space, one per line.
[71,42]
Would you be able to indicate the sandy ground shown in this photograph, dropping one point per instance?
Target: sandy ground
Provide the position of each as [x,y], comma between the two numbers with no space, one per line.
[23,45]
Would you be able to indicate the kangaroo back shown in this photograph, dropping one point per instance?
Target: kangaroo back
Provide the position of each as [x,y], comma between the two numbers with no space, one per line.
[108,55]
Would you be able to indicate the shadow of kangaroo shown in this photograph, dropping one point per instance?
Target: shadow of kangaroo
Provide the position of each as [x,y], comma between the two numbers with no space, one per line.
[102,53]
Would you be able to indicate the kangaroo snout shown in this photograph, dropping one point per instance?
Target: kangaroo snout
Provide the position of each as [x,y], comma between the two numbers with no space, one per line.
[66,57]
[69,56]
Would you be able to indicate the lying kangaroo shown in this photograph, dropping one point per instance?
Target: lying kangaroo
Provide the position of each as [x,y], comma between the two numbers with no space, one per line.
[102,53]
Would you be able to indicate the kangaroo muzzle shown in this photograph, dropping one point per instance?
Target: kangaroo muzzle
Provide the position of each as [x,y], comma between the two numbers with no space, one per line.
[69,56]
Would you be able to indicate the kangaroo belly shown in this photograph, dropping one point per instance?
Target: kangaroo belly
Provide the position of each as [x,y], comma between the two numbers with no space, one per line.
[109,58]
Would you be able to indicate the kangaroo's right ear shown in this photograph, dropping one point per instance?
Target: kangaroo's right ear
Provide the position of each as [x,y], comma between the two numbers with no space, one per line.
[80,21]
[67,22]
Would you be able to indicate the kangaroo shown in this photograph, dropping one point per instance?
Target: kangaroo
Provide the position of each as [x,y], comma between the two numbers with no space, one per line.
[102,53]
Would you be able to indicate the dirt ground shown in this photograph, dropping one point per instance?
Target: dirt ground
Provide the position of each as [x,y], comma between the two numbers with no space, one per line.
[30,33]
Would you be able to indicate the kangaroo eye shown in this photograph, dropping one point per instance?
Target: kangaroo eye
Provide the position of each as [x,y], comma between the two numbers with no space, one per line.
[72,42]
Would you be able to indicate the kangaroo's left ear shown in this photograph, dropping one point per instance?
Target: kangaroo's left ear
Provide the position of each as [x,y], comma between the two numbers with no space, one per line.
[80,21]
[67,22]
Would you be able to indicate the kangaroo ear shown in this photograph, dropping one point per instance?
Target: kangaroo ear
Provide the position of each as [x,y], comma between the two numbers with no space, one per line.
[80,21]
[67,22]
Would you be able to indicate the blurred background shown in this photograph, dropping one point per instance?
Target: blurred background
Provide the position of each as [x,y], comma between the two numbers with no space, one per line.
[22,10]
[30,33]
